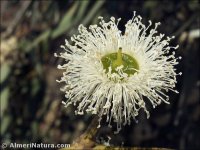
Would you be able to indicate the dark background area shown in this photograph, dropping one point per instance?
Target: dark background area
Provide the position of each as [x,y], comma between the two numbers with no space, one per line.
[31,109]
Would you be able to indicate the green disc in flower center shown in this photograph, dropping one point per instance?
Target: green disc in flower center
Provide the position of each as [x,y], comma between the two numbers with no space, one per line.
[130,65]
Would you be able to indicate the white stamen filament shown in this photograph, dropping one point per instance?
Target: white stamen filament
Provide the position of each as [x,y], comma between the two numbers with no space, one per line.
[98,92]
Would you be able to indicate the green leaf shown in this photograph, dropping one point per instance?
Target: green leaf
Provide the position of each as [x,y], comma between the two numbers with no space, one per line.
[92,12]
[4,95]
[66,21]
[81,11]
[5,70]
[6,120]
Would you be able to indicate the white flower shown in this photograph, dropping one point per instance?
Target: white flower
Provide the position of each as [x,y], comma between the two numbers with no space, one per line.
[110,73]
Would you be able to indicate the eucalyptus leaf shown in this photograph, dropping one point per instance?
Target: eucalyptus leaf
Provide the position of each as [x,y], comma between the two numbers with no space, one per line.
[4,100]
[5,70]
[66,21]
[6,120]
[92,12]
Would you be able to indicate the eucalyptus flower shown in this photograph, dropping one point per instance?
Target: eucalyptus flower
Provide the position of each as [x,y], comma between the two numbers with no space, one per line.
[111,73]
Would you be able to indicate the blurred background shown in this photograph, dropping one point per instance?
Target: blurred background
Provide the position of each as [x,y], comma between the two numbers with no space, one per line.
[31,109]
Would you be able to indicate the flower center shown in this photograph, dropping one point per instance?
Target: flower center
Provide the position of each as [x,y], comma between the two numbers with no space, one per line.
[114,60]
